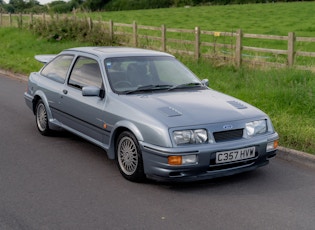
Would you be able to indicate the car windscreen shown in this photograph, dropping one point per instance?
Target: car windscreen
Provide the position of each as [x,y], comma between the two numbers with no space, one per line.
[134,74]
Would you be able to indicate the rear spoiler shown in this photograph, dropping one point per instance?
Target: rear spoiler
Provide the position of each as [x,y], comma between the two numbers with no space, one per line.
[44,58]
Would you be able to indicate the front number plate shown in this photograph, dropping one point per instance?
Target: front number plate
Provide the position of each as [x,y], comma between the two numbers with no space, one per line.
[235,155]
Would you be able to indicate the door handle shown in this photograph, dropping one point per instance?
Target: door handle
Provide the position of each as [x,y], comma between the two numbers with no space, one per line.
[65,91]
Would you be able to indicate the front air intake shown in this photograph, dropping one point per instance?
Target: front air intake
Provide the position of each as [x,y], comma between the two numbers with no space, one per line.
[229,135]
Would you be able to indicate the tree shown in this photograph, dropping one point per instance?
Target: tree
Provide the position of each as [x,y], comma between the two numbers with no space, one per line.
[31,3]
[2,9]
[18,5]
[60,7]
[95,5]
[75,4]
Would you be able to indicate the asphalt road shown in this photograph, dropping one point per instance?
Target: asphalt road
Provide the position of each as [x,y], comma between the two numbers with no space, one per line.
[63,182]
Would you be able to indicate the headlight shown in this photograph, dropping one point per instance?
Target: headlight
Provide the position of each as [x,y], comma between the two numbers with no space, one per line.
[255,127]
[197,136]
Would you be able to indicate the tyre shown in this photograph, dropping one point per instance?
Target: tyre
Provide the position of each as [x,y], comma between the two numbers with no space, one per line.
[42,118]
[129,157]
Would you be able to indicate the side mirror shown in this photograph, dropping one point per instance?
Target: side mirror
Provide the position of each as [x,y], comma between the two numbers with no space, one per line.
[91,91]
[205,82]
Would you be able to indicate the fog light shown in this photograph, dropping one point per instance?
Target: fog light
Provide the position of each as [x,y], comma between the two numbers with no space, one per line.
[272,145]
[189,159]
[182,160]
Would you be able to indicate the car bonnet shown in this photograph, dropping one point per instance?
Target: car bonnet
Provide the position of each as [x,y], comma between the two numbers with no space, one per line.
[192,107]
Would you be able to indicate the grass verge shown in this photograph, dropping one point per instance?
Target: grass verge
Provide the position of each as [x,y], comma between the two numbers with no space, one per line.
[18,48]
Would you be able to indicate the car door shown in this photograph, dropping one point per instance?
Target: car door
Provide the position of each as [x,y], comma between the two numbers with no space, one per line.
[84,114]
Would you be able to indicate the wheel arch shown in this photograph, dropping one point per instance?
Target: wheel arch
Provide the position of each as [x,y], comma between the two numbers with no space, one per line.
[117,130]
[34,102]
[39,95]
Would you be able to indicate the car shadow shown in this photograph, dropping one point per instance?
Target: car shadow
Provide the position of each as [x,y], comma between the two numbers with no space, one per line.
[227,181]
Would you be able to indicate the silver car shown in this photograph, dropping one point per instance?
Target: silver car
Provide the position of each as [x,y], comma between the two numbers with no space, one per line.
[150,113]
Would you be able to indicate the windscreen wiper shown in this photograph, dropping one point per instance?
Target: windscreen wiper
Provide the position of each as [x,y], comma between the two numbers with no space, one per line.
[187,85]
[148,88]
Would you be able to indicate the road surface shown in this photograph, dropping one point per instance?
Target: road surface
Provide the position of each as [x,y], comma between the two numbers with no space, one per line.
[64,182]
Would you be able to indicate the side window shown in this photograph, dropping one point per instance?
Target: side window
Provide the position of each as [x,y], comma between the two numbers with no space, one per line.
[86,72]
[57,69]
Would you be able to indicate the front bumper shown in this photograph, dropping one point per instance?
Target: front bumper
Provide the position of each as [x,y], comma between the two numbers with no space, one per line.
[156,165]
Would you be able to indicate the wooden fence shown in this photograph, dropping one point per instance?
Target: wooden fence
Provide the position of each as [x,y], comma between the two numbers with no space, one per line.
[236,47]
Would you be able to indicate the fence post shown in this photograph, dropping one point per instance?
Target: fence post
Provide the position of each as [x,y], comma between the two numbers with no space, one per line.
[0,19]
[238,48]
[89,21]
[197,43]
[291,53]
[163,37]
[20,21]
[31,19]
[111,30]
[135,34]
[44,18]
[10,19]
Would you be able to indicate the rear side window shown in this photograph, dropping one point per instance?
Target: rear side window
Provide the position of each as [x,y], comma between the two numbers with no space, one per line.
[57,69]
[86,72]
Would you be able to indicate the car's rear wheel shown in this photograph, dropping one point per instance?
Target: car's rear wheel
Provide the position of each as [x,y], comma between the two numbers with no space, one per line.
[42,118]
[129,157]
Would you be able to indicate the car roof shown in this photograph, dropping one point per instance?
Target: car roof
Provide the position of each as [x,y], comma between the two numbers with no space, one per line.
[106,52]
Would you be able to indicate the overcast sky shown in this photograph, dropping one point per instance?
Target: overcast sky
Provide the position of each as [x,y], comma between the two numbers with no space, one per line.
[40,1]
[44,1]
[48,1]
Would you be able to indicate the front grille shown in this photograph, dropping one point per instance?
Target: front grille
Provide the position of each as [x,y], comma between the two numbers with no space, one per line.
[228,135]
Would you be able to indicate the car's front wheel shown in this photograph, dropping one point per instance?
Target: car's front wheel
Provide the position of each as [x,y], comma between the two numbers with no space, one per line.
[129,157]
[42,118]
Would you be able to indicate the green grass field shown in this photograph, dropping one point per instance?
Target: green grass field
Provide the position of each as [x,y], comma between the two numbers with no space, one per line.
[267,19]
[286,95]
[271,18]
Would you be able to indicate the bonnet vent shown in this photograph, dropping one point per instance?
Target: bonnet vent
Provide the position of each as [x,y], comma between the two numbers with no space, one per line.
[237,104]
[170,112]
